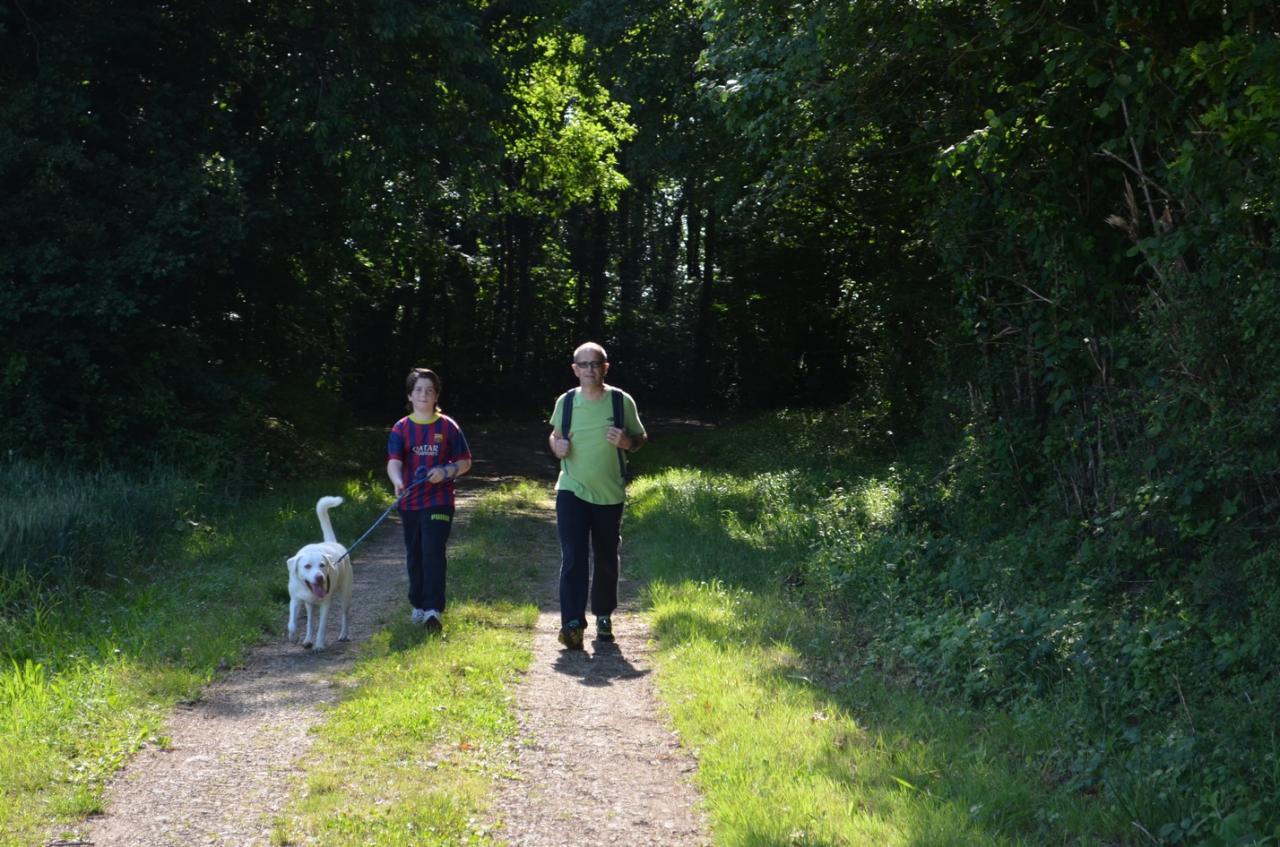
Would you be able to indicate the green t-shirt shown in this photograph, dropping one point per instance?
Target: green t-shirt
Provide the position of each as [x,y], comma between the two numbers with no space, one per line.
[590,470]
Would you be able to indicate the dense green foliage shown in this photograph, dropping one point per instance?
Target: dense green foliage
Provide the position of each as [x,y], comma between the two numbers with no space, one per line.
[221,218]
[1149,698]
[46,525]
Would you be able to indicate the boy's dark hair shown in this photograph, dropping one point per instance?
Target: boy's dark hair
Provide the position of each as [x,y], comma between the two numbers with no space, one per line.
[422,373]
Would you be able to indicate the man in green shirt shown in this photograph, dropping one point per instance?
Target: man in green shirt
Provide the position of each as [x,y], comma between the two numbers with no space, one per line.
[590,492]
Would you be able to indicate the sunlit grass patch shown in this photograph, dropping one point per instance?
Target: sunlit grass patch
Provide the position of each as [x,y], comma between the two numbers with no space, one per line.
[518,498]
[690,496]
[408,757]
[697,521]
[798,740]
[788,754]
[64,734]
[877,500]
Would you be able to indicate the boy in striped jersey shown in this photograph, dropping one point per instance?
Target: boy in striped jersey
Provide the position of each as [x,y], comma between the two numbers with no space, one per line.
[426,447]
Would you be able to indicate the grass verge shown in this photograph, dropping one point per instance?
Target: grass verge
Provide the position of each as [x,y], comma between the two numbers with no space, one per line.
[796,743]
[1123,677]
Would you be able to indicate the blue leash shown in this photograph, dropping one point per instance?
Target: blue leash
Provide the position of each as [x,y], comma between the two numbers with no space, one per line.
[421,473]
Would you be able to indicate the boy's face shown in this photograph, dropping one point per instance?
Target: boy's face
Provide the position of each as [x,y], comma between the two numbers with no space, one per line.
[424,397]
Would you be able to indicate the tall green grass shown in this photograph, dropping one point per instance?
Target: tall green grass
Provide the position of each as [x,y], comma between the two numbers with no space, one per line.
[123,604]
[52,520]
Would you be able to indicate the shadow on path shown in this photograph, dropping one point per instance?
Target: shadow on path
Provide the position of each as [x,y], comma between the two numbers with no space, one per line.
[603,664]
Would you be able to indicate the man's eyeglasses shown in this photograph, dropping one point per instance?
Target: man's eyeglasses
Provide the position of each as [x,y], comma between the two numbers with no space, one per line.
[594,363]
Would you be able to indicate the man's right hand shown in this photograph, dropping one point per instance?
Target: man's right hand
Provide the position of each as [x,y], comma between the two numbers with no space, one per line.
[560,446]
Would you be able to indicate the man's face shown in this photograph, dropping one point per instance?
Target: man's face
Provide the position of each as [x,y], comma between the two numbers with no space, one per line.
[590,368]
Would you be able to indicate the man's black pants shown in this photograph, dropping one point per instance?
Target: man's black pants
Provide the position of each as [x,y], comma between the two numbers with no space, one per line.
[587,532]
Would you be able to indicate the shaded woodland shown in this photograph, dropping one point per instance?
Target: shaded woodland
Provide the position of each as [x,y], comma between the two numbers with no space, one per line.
[1056,218]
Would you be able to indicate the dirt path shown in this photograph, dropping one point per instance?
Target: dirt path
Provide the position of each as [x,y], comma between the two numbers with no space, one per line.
[595,761]
[596,764]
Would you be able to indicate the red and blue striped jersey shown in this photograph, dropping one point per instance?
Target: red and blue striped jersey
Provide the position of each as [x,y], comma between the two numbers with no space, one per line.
[420,447]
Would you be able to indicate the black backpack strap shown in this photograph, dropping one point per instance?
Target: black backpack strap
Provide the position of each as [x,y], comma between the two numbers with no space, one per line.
[620,421]
[566,412]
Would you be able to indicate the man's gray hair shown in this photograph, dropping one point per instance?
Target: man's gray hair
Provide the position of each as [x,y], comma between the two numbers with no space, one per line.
[591,345]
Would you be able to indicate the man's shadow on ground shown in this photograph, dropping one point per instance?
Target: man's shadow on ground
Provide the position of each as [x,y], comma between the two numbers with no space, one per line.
[600,665]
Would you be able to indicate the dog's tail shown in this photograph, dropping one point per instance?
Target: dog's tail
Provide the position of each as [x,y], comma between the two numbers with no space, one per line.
[323,505]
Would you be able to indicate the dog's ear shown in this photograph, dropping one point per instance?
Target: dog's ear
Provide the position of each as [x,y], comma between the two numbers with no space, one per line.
[291,564]
[328,562]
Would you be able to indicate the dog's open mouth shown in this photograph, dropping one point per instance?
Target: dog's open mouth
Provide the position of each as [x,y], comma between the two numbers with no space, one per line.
[320,587]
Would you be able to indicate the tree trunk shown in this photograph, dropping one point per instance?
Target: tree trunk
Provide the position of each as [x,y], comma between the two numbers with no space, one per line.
[523,313]
[665,276]
[597,280]
[694,231]
[706,298]
[631,223]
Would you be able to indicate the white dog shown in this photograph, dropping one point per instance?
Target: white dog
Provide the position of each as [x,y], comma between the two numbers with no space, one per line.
[318,573]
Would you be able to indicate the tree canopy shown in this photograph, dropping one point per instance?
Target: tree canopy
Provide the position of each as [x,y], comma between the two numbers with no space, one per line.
[1058,219]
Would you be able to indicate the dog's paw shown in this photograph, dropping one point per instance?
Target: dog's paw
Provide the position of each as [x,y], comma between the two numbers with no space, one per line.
[307,645]
[344,639]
